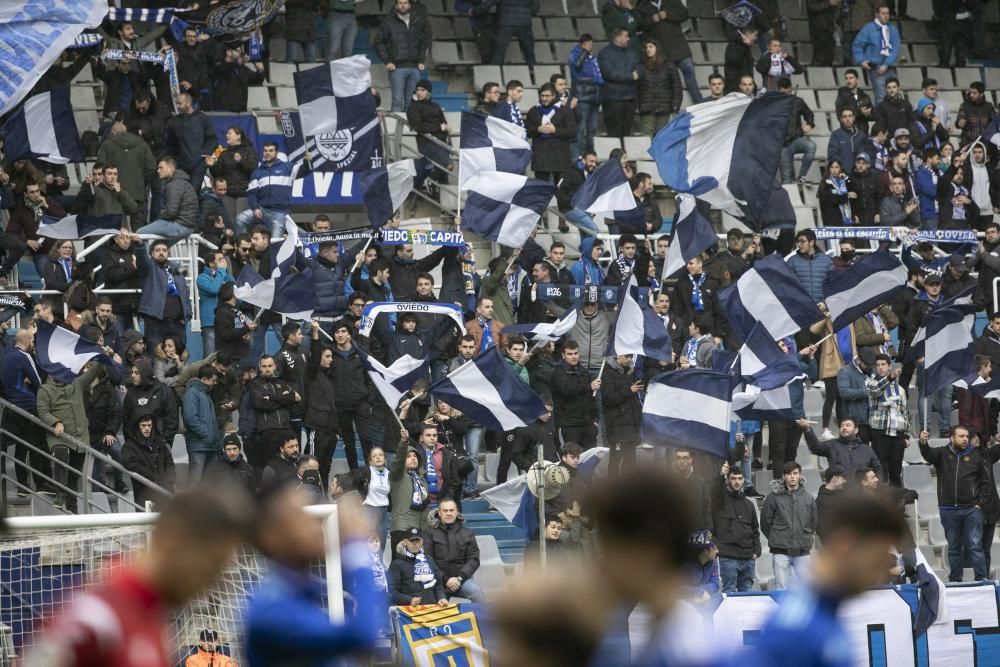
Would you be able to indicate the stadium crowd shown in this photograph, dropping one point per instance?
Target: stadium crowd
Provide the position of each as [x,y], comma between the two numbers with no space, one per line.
[251,415]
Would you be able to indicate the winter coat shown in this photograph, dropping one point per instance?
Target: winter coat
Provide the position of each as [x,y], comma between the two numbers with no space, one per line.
[403,516]
[237,174]
[189,137]
[735,525]
[135,162]
[150,397]
[812,272]
[120,272]
[701,497]
[946,192]
[515,13]
[167,370]
[524,441]
[449,480]
[550,152]
[865,206]
[453,547]
[351,380]
[962,480]
[403,587]
[865,336]
[180,200]
[209,283]
[738,60]
[988,344]
[230,329]
[668,33]
[426,117]
[586,79]
[290,366]
[788,519]
[854,100]
[659,88]
[976,117]
[151,458]
[225,474]
[64,403]
[279,469]
[893,113]
[154,301]
[403,273]
[202,430]
[682,309]
[329,281]
[572,397]
[320,393]
[852,455]
[829,205]
[19,379]
[271,184]
[102,200]
[622,408]
[867,45]
[617,65]
[151,127]
[226,389]
[404,46]
[845,145]
[272,399]
[23,223]
[586,271]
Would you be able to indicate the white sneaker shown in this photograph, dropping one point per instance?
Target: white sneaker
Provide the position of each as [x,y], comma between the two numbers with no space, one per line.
[827,435]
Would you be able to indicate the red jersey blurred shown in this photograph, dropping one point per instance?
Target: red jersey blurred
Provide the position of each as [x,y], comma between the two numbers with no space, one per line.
[120,623]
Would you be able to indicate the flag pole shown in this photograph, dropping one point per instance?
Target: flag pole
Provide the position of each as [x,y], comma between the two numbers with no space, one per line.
[540,476]
[604,361]
[458,190]
[822,339]
[357,262]
[737,358]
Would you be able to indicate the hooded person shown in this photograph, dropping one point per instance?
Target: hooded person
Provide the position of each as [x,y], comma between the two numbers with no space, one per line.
[927,131]
[147,454]
[587,271]
[979,180]
[414,577]
[131,346]
[146,394]
[408,491]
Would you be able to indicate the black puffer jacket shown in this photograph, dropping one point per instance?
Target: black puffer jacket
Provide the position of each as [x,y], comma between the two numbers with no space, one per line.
[403,587]
[236,173]
[668,33]
[151,458]
[572,397]
[659,88]
[271,399]
[736,529]
[962,477]
[622,409]
[320,392]
[104,413]
[152,397]
[351,380]
[401,44]
[516,12]
[119,272]
[225,474]
[453,547]
[151,125]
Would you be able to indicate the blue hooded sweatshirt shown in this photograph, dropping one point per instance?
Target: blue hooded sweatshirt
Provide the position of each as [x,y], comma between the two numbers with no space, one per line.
[586,271]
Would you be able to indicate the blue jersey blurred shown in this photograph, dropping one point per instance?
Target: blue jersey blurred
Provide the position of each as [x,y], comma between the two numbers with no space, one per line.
[803,632]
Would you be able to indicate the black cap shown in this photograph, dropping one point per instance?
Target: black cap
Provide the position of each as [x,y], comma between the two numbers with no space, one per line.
[932,279]
[412,533]
[425,84]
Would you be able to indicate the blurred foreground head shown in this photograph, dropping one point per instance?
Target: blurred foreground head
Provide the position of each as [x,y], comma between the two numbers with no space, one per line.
[193,540]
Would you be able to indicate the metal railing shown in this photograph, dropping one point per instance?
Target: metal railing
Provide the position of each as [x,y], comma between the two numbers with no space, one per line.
[84,496]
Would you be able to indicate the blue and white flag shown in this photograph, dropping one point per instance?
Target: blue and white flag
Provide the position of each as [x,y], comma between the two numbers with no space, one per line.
[752,402]
[376,308]
[86,40]
[932,603]
[490,393]
[396,379]
[62,354]
[692,235]
[335,96]
[763,363]
[988,387]
[605,191]
[43,128]
[740,14]
[991,134]
[80,226]
[948,340]
[145,15]
[638,329]
[545,332]
[873,281]
[505,207]
[385,189]
[293,296]
[725,151]
[32,37]
[688,408]
[771,294]
[489,144]
[356,148]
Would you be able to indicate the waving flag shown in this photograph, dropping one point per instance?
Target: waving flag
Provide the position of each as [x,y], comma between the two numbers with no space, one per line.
[605,191]
[752,402]
[545,332]
[637,330]
[985,387]
[692,235]
[43,128]
[396,379]
[726,151]
[385,189]
[62,354]
[335,96]
[490,144]
[874,280]
[948,345]
[490,392]
[505,207]
[688,408]
[769,293]
[291,294]
[79,226]
[764,363]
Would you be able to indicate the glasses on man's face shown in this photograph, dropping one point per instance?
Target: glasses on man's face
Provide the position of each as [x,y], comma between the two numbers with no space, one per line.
[801,241]
[357,305]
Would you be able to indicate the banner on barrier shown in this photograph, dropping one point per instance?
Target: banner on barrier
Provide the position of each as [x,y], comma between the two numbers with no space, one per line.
[599,293]
[900,234]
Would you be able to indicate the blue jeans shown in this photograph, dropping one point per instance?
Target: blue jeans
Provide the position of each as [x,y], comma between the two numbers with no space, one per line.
[469,590]
[586,127]
[270,217]
[403,81]
[295,49]
[803,146]
[737,575]
[686,66]
[168,229]
[473,443]
[342,31]
[963,527]
[258,340]
[196,466]
[878,82]
[582,220]
[207,340]
[788,569]
[941,399]
[378,522]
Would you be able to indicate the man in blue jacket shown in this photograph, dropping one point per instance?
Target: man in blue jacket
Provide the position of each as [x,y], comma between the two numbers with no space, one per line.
[269,192]
[20,380]
[811,267]
[876,50]
[586,80]
[329,273]
[203,437]
[164,304]
[925,181]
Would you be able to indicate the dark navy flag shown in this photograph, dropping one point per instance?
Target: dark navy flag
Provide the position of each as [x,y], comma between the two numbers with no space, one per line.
[395,380]
[725,152]
[62,354]
[991,134]
[771,294]
[605,191]
[355,148]
[291,295]
[638,329]
[752,402]
[547,332]
[988,387]
[763,363]
[692,235]
[780,214]
[505,207]
[335,96]
[491,144]
[12,304]
[915,349]
[874,280]
[490,392]
[948,341]
[79,226]
[43,128]
[688,408]
[385,189]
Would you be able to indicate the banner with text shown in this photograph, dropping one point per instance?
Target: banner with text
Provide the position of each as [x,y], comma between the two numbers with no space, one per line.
[901,234]
[594,293]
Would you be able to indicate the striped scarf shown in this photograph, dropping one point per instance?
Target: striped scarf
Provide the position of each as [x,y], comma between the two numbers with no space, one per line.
[697,302]
[839,186]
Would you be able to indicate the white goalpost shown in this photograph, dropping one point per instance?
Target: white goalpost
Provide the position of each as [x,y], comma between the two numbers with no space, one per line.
[46,561]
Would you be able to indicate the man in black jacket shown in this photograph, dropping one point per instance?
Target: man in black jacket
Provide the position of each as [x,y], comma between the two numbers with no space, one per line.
[231,77]
[514,22]
[986,261]
[403,269]
[190,138]
[800,124]
[963,488]
[520,446]
[283,465]
[231,470]
[453,547]
[683,468]
[290,366]
[272,399]
[848,451]
[352,396]
[409,586]
[850,96]
[427,119]
[573,403]
[864,182]
[737,531]
[146,454]
[622,411]
[402,44]
[147,395]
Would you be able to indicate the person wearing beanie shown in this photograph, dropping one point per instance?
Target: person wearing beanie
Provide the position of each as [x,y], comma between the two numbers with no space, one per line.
[927,130]
[427,119]
[231,470]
